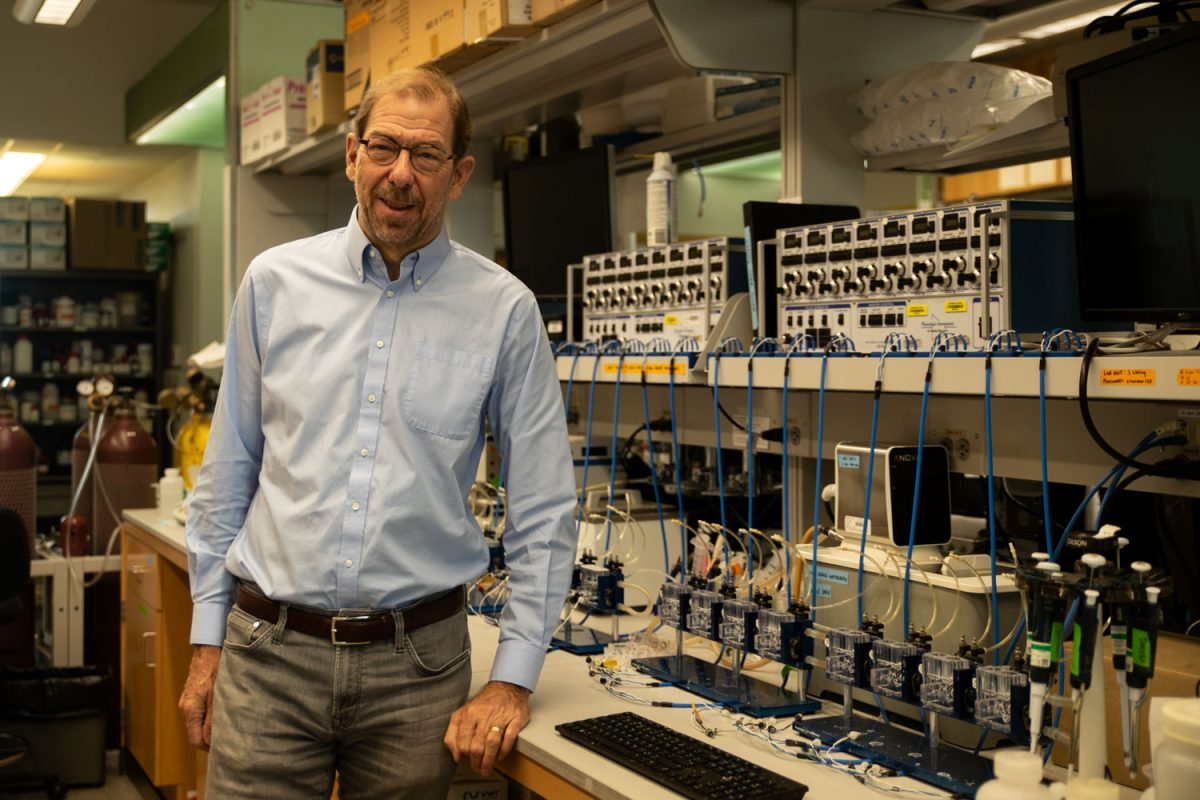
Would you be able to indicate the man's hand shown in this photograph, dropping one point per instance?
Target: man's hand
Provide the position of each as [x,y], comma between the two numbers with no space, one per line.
[196,702]
[486,727]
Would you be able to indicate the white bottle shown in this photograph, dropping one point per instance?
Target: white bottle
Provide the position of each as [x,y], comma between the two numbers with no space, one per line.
[23,356]
[1018,777]
[660,202]
[1177,758]
[170,493]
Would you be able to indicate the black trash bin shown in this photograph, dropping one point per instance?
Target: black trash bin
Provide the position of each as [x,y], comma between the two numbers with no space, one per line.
[60,713]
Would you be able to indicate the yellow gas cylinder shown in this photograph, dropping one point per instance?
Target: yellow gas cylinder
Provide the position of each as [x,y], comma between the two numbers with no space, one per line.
[189,447]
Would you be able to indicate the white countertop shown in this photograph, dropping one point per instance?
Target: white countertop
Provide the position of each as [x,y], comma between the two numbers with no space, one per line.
[167,530]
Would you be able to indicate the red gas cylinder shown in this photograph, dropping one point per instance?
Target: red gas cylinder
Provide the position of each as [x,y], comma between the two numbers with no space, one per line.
[122,477]
[18,471]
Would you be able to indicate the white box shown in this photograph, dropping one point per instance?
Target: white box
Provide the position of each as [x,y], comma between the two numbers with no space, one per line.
[281,115]
[14,208]
[48,234]
[14,256]
[47,209]
[14,232]
[250,127]
[49,259]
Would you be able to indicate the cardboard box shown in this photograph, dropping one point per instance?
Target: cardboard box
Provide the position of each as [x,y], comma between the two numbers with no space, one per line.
[14,256]
[499,20]
[48,234]
[361,20]
[14,232]
[440,36]
[47,209]
[250,127]
[281,116]
[547,12]
[48,259]
[392,38]
[325,70]
[14,208]
[106,234]
[477,788]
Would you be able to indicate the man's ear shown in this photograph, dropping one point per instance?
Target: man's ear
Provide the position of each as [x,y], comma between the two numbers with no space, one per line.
[351,156]
[463,167]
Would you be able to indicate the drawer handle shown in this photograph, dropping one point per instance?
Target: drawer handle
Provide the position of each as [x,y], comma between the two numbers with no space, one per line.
[145,636]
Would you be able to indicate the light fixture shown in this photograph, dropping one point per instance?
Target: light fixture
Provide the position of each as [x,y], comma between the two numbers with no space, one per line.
[199,121]
[51,12]
[15,168]
[1041,22]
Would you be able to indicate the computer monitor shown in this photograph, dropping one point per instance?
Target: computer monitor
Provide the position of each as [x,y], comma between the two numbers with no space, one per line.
[557,210]
[1135,162]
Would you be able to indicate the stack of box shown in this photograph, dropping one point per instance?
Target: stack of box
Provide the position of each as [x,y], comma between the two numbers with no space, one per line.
[106,234]
[33,233]
[158,246]
[272,118]
[547,12]
[325,72]
[383,36]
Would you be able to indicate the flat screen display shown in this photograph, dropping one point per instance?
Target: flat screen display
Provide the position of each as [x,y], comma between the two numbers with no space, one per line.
[556,211]
[1134,119]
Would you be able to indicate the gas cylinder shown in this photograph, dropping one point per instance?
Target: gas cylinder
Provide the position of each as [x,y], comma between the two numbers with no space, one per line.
[81,445]
[18,471]
[126,468]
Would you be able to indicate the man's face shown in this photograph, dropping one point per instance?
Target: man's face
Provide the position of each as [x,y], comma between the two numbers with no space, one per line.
[401,208]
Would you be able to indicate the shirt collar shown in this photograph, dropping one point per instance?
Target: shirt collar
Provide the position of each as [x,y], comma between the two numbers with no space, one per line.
[423,263]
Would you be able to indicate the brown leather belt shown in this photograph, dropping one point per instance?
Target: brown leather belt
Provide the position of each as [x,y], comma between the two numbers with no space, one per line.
[353,628]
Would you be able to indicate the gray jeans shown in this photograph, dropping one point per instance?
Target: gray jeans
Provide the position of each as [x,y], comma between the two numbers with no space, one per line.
[291,709]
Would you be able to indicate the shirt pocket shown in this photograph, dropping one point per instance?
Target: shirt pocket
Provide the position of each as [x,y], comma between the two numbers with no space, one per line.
[445,390]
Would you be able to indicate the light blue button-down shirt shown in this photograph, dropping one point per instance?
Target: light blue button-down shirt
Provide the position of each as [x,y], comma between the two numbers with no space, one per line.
[348,429]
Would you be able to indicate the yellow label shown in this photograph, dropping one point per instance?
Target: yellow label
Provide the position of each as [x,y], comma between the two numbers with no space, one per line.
[357,22]
[954,306]
[635,368]
[670,319]
[1189,377]
[918,310]
[1126,377]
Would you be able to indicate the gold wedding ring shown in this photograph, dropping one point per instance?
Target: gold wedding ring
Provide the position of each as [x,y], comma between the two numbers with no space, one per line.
[496,729]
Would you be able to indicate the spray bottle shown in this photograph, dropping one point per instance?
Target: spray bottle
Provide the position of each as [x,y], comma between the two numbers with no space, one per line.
[660,202]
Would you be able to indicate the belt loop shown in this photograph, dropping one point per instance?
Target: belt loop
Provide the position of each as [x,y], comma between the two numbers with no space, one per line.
[280,624]
[398,616]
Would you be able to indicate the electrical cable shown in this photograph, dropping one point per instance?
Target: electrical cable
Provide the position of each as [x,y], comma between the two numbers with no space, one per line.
[612,459]
[717,429]
[587,444]
[662,525]
[676,462]
[912,524]
[888,346]
[831,345]
[1094,432]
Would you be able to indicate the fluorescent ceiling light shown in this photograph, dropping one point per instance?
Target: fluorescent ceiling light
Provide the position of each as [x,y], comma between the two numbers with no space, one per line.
[988,48]
[1069,23]
[15,168]
[51,12]
[200,121]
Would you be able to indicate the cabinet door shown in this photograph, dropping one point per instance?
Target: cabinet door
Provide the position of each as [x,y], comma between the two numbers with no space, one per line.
[142,625]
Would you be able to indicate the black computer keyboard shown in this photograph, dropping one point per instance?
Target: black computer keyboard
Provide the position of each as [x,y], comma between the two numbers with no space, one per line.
[681,763]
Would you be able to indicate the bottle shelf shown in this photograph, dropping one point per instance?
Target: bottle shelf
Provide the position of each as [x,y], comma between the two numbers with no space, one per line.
[135,330]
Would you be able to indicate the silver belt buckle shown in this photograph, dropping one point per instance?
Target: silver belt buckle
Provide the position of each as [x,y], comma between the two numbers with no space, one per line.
[333,632]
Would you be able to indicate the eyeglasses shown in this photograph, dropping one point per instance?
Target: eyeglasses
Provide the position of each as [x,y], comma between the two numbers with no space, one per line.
[427,159]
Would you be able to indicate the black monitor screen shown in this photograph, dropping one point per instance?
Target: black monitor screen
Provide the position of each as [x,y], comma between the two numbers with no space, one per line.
[1134,119]
[556,211]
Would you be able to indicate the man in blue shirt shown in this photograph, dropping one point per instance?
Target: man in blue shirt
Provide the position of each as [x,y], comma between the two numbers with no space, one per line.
[360,366]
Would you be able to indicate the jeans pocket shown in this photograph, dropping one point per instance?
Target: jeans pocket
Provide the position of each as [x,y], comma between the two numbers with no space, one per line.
[245,632]
[440,647]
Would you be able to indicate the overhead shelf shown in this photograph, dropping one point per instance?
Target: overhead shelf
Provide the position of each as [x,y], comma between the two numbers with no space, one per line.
[1033,135]
[592,57]
[744,129]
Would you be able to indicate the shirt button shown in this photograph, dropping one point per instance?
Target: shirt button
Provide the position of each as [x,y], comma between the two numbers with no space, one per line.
[370,398]
[418,281]
[391,293]
[349,563]
[355,506]
[379,342]
[362,452]
[371,253]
